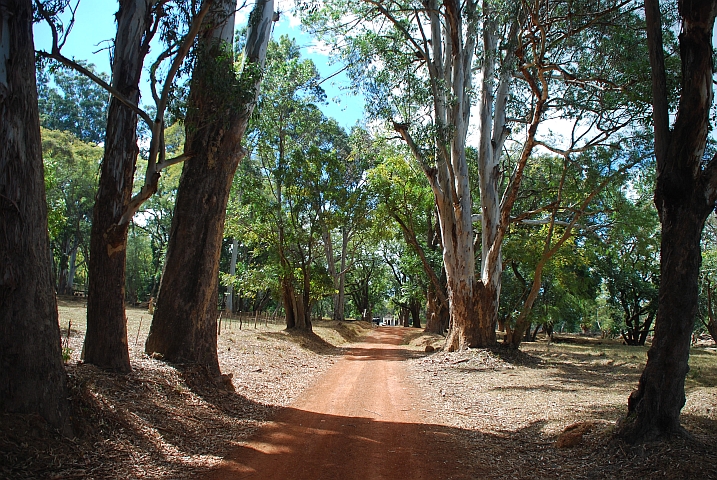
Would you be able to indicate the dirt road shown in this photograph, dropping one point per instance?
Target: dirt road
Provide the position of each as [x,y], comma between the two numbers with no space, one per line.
[362,420]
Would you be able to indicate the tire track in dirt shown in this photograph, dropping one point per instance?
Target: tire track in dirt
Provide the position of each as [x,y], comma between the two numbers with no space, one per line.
[361,420]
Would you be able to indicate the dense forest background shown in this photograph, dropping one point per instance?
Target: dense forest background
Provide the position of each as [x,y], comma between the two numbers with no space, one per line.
[356,211]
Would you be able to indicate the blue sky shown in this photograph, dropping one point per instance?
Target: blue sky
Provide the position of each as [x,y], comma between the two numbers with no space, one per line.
[95,27]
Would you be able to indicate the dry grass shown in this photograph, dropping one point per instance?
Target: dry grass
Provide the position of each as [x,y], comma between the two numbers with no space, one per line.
[510,408]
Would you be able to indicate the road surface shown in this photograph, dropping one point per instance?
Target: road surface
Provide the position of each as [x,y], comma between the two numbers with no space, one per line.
[361,420]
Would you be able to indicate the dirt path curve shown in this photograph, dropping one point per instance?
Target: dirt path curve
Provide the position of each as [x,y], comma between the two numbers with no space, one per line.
[362,420]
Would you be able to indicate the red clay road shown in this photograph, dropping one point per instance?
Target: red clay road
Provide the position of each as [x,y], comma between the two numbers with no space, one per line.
[361,420]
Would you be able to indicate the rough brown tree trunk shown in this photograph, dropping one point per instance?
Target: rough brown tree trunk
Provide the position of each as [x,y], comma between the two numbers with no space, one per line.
[436,313]
[32,378]
[654,408]
[184,328]
[415,308]
[106,338]
[685,195]
[478,307]
[298,314]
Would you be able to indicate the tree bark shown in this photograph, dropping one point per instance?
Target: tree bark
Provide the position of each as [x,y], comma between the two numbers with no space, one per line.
[32,377]
[338,276]
[685,195]
[106,339]
[654,408]
[340,300]
[415,308]
[232,271]
[436,313]
[184,328]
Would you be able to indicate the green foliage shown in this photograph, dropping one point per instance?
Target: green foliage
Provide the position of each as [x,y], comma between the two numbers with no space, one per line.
[71,175]
[71,102]
[66,353]
[404,201]
[554,188]
[223,77]
[139,275]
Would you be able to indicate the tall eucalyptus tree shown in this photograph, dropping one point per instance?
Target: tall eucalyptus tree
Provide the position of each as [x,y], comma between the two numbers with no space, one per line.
[32,378]
[416,61]
[106,338]
[221,101]
[137,23]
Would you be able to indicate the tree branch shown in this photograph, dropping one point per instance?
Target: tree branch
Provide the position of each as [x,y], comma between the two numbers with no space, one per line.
[660,115]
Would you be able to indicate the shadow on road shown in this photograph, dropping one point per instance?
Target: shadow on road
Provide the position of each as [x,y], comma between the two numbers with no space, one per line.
[302,445]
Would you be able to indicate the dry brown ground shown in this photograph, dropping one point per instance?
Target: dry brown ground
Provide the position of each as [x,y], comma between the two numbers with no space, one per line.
[507,408]
[511,408]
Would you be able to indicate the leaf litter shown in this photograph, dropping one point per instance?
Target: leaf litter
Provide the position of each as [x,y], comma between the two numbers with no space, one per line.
[509,408]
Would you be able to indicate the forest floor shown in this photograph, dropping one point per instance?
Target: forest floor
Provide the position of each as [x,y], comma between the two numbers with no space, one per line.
[493,414]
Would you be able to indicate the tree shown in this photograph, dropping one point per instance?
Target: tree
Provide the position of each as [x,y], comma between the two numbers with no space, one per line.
[631,267]
[71,184]
[711,322]
[685,194]
[106,338]
[706,314]
[73,102]
[292,138]
[366,284]
[580,184]
[408,289]
[345,208]
[254,277]
[405,199]
[137,22]
[32,377]
[428,48]
[184,328]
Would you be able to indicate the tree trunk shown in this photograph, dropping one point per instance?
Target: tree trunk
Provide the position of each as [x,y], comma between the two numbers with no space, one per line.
[646,328]
[685,194]
[415,308]
[477,308]
[404,316]
[184,328]
[338,276]
[449,64]
[654,408]
[232,271]
[436,313]
[72,270]
[637,331]
[340,301]
[63,270]
[106,338]
[32,378]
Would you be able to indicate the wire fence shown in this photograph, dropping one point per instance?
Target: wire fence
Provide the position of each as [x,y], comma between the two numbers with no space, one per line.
[240,320]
